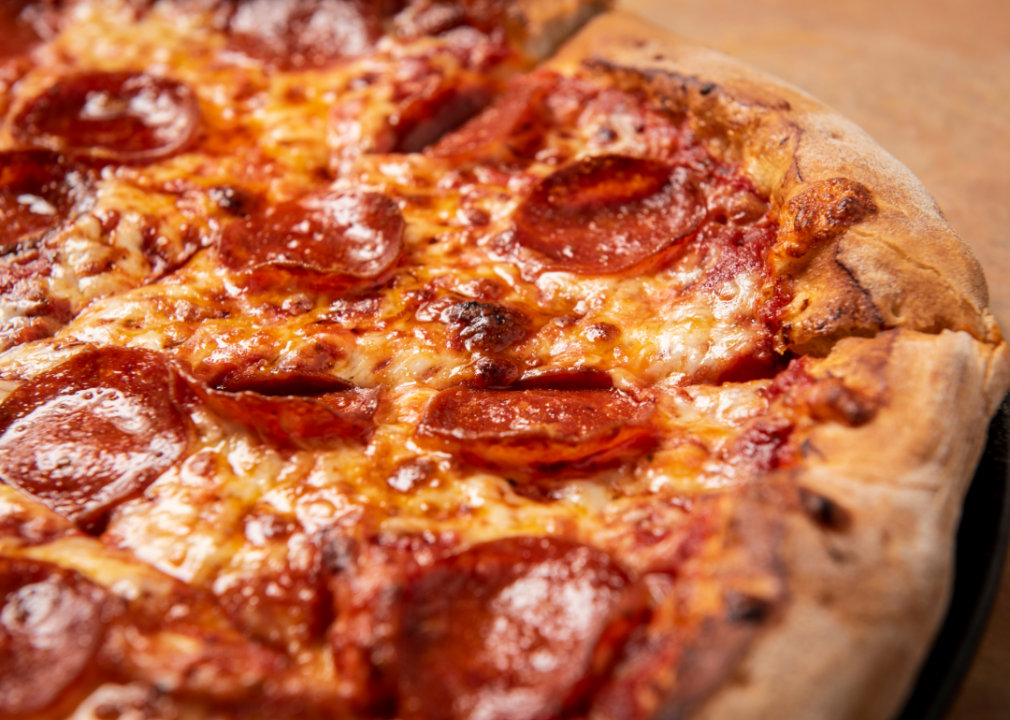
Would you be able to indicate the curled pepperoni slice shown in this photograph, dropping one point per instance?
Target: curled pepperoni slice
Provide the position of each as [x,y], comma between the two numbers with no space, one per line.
[38,191]
[425,116]
[540,430]
[513,629]
[608,213]
[293,421]
[50,628]
[339,237]
[116,117]
[507,117]
[92,432]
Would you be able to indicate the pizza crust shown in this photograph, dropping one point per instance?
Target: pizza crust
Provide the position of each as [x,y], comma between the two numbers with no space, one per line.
[866,600]
[547,24]
[894,304]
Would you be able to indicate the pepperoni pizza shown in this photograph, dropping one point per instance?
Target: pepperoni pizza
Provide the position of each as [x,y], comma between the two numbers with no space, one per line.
[411,359]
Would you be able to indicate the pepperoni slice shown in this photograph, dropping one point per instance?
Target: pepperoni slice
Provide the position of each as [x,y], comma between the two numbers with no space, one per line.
[24,24]
[92,432]
[513,629]
[540,430]
[118,117]
[505,118]
[436,107]
[297,34]
[38,191]
[337,237]
[295,421]
[608,213]
[50,628]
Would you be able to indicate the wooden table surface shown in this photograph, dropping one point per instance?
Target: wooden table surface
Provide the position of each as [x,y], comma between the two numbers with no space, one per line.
[930,81]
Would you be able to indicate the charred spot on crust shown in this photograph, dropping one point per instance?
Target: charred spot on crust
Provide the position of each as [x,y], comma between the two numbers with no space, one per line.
[829,303]
[743,608]
[486,326]
[825,512]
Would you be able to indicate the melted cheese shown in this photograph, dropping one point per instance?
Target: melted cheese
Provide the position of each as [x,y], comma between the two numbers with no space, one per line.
[237,511]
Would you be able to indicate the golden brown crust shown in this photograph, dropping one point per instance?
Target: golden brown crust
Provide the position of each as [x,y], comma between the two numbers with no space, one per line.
[894,304]
[547,24]
[866,598]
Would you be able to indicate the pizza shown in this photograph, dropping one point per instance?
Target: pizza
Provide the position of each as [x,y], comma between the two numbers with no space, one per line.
[471,359]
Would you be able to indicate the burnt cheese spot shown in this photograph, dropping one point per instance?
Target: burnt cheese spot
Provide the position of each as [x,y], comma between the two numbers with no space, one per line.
[486,327]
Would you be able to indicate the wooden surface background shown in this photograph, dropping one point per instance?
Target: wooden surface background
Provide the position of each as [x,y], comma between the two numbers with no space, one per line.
[930,81]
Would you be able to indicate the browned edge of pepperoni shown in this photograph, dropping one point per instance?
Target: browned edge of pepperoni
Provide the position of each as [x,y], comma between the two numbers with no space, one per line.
[38,191]
[540,431]
[282,383]
[324,238]
[564,378]
[514,628]
[93,431]
[607,214]
[51,625]
[120,117]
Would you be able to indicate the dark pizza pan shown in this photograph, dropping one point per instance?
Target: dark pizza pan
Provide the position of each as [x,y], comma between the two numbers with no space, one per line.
[981,549]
